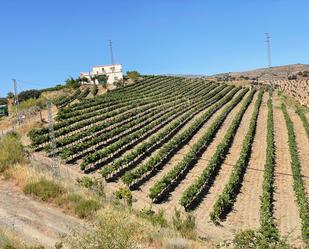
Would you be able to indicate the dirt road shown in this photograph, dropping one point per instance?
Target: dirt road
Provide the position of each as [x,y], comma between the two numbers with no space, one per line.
[33,221]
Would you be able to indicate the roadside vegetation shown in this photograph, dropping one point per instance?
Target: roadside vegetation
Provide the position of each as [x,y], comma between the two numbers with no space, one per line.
[113,223]
[11,151]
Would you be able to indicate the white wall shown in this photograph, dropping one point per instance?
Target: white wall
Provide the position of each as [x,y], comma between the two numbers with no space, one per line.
[114,73]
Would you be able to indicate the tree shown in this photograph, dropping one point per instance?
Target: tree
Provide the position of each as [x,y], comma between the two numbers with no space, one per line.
[29,94]
[3,101]
[70,82]
[102,79]
[133,75]
[10,95]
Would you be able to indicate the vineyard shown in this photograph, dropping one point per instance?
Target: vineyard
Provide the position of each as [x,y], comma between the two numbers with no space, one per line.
[235,157]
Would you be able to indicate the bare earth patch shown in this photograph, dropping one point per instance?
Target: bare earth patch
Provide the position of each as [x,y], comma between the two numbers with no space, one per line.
[33,221]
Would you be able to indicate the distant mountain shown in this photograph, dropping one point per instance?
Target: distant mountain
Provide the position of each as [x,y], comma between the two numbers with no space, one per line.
[278,72]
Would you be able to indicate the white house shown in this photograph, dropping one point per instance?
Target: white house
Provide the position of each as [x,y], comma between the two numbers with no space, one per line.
[114,73]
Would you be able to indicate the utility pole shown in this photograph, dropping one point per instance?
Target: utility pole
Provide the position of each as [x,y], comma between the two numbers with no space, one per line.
[269,59]
[56,162]
[16,102]
[111,51]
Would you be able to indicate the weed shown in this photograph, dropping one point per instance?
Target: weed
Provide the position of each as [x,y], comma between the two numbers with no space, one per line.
[44,189]
[157,219]
[11,151]
[86,208]
[186,226]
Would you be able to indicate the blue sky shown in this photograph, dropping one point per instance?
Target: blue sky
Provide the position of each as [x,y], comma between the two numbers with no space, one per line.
[43,42]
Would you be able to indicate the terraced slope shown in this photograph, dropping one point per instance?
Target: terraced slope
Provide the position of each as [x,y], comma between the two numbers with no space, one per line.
[221,152]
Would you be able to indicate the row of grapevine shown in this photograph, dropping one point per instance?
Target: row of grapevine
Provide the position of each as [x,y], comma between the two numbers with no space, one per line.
[194,193]
[126,104]
[63,101]
[170,180]
[100,156]
[95,141]
[267,221]
[304,120]
[41,136]
[108,125]
[88,116]
[107,138]
[133,157]
[137,176]
[227,198]
[298,181]
[84,94]
[116,98]
[149,81]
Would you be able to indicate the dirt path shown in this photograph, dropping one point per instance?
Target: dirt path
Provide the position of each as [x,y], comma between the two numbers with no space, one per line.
[33,221]
[303,147]
[246,211]
[203,210]
[144,189]
[173,200]
[286,210]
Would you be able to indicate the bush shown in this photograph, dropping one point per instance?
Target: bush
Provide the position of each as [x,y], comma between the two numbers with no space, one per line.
[156,219]
[29,94]
[86,208]
[82,207]
[94,90]
[247,239]
[11,151]
[186,226]
[3,101]
[95,185]
[133,75]
[124,194]
[71,83]
[44,189]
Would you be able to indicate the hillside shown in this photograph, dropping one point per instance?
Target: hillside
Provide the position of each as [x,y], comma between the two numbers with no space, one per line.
[196,146]
[281,72]
[291,79]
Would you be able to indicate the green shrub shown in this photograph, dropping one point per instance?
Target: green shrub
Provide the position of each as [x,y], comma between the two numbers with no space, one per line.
[44,189]
[157,219]
[112,231]
[86,208]
[11,151]
[186,226]
[82,207]
[124,194]
[247,239]
[95,185]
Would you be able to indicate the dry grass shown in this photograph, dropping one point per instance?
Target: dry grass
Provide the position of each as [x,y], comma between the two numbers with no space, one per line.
[120,228]
[11,151]
[113,223]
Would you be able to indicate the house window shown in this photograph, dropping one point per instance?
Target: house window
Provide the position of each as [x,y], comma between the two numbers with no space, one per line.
[116,78]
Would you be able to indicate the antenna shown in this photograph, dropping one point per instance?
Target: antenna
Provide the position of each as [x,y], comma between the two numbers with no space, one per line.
[111,51]
[269,58]
[16,102]
[268,49]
